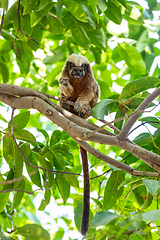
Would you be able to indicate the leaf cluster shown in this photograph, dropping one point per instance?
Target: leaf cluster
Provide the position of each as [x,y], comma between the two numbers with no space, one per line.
[120,39]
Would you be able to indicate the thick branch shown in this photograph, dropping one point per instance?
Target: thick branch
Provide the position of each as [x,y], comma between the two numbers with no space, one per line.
[22,91]
[78,132]
[125,131]
[112,161]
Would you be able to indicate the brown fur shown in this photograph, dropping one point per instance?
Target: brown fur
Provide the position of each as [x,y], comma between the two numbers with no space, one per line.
[83,90]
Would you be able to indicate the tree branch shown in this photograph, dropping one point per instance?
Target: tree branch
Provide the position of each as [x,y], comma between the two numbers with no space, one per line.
[63,119]
[125,131]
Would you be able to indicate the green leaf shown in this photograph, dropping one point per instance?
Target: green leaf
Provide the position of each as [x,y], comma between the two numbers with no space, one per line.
[137,86]
[45,134]
[45,201]
[102,218]
[113,12]
[22,58]
[33,231]
[122,2]
[56,137]
[102,108]
[24,23]
[63,186]
[20,121]
[121,113]
[8,36]
[140,193]
[157,137]
[29,6]
[52,24]
[153,215]
[78,215]
[97,38]
[59,234]
[4,4]
[34,173]
[112,193]
[102,5]
[75,9]
[37,16]
[4,196]
[153,121]
[71,179]
[4,71]
[144,139]
[18,165]
[18,195]
[135,102]
[37,36]
[152,185]
[8,146]
[4,199]
[80,35]
[148,201]
[93,4]
[26,136]
[58,161]
[132,58]
[59,54]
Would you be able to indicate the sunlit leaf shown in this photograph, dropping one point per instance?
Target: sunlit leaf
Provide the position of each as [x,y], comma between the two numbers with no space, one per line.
[132,58]
[102,218]
[75,9]
[102,108]
[63,186]
[138,86]
[113,12]
[20,121]
[18,195]
[112,193]
[152,185]
[37,16]
[33,231]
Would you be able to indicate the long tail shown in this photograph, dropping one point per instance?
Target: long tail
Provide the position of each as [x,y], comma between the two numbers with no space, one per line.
[86,193]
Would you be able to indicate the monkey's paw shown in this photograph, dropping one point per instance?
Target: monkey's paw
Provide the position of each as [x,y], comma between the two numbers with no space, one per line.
[65,86]
[63,81]
[63,98]
[82,110]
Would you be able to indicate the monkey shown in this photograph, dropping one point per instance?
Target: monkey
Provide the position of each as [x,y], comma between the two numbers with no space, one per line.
[78,84]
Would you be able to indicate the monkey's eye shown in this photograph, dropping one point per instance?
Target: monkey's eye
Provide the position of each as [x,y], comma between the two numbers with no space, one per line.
[85,66]
[70,65]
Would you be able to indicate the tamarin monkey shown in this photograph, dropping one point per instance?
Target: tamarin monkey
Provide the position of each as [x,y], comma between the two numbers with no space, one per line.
[78,84]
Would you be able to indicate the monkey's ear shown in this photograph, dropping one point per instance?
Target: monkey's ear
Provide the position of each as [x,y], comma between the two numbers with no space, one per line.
[70,65]
[85,66]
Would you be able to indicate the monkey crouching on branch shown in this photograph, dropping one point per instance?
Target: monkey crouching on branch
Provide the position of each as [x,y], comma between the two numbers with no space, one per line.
[78,85]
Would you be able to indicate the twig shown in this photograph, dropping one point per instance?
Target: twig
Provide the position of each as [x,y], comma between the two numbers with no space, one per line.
[51,111]
[112,161]
[19,29]
[142,124]
[125,130]
[114,121]
[16,179]
[30,164]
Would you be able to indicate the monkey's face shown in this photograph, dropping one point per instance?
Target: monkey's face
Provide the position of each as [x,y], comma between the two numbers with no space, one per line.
[77,72]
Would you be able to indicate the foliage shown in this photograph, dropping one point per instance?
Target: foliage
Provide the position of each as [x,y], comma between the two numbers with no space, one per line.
[120,38]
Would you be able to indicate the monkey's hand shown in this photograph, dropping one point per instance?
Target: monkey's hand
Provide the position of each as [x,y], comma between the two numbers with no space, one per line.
[63,102]
[82,110]
[65,87]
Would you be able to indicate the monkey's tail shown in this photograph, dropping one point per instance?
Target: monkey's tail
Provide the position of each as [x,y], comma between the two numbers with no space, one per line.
[86,193]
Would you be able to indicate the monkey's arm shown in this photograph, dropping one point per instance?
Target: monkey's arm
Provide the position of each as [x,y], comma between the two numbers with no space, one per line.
[65,87]
[85,102]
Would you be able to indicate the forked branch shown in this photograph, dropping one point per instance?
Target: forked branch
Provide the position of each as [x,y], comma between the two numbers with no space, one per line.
[79,128]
